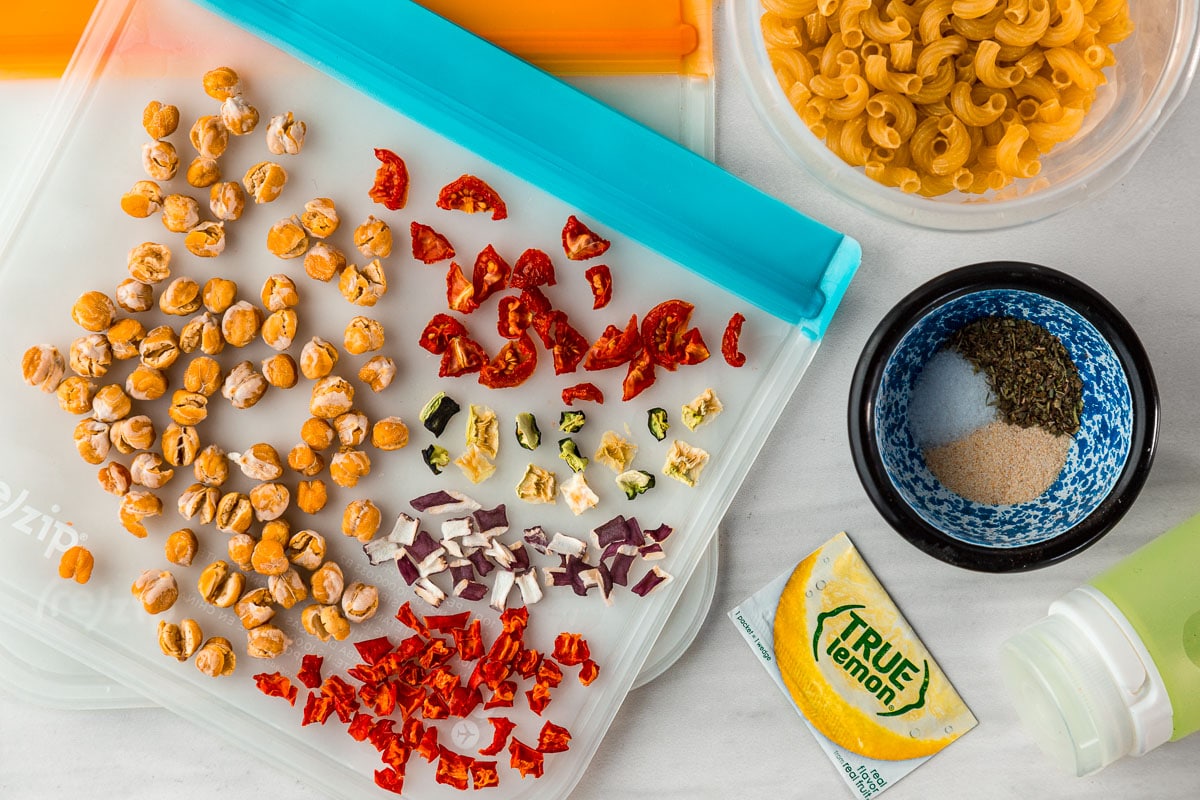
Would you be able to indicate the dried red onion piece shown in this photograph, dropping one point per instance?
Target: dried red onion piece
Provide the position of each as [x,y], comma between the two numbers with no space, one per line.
[615,530]
[651,581]
[428,591]
[492,521]
[433,564]
[621,562]
[456,528]
[500,588]
[443,502]
[660,533]
[531,592]
[408,570]
[380,550]
[652,552]
[404,529]
[567,546]
[423,544]
[520,557]
[470,590]
[461,570]
[480,560]
[536,538]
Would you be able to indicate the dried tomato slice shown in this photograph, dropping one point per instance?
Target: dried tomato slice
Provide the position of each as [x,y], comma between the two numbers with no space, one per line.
[533,268]
[580,242]
[390,779]
[599,278]
[582,391]
[639,377]
[514,317]
[614,347]
[463,355]
[694,348]
[460,292]
[525,759]
[429,246]
[391,180]
[535,300]
[553,738]
[276,685]
[470,194]
[512,366]
[569,346]
[543,325]
[729,341]
[439,332]
[663,328]
[490,274]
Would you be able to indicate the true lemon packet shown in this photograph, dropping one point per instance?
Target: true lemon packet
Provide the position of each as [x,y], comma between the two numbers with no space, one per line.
[835,643]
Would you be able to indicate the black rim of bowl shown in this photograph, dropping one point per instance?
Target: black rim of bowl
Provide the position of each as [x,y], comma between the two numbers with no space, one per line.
[967,280]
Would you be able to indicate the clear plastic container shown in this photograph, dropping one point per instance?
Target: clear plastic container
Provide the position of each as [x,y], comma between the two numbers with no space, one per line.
[1154,69]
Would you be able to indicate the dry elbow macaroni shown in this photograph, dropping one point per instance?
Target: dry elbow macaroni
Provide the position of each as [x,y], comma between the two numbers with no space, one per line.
[943,95]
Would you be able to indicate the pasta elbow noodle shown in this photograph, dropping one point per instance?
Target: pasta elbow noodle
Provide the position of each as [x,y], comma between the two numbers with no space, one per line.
[1028,31]
[853,103]
[976,114]
[992,74]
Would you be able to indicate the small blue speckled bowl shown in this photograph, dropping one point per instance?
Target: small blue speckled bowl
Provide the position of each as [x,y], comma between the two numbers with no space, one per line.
[1109,457]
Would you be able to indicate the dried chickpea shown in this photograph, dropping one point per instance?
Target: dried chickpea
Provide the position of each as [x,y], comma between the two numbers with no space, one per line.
[227,200]
[360,601]
[160,120]
[347,467]
[180,444]
[240,549]
[94,311]
[134,296]
[264,181]
[277,530]
[199,502]
[270,500]
[306,549]
[281,371]
[132,434]
[222,83]
[75,395]
[43,366]
[317,433]
[203,375]
[254,608]
[160,160]
[240,323]
[323,262]
[285,135]
[361,520]
[181,547]
[150,262]
[218,295]
[209,136]
[234,513]
[320,217]
[331,396]
[325,623]
[136,506]
[351,428]
[91,440]
[160,348]
[373,238]
[259,462]
[114,478]
[389,433]
[179,641]
[125,337]
[180,214]
[326,583]
[206,240]
[219,585]
[378,373]
[279,292]
[142,200]
[279,328]
[305,460]
[202,332]
[363,335]
[203,172]
[180,298]
[239,116]
[111,403]
[188,408]
[156,589]
[146,383]
[363,286]
[287,589]
[268,558]
[211,466]
[149,470]
[90,356]
[287,238]
[76,564]
[216,658]
[317,358]
[311,496]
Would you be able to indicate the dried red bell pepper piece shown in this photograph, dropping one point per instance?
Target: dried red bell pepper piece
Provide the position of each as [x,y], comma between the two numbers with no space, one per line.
[639,377]
[571,649]
[391,180]
[582,391]
[428,748]
[470,194]
[409,698]
[588,671]
[513,317]
[729,341]
[429,246]
[539,697]
[514,620]
[372,651]
[310,671]
[580,242]
[463,701]
[549,673]
[569,345]
[599,278]
[512,366]
[437,651]
[443,680]
[435,707]
[453,768]
[276,685]
[382,732]
[490,274]
[469,641]
[342,695]
[395,753]
[463,356]
[503,695]
[413,732]
[484,774]
[663,328]
[525,759]
[501,728]
[446,623]
[317,709]
[390,779]
[460,292]
[533,268]
[381,697]
[553,738]
[360,727]
[527,663]
[614,347]
[440,331]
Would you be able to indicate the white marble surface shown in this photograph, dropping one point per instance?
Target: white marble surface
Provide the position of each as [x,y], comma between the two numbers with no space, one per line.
[714,725]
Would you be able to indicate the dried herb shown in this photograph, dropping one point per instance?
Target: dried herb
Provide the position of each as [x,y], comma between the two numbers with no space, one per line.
[1031,374]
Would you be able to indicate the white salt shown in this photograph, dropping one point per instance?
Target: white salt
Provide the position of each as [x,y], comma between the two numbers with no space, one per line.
[949,401]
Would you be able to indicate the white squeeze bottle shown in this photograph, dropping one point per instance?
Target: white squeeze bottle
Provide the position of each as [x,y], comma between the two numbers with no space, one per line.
[1114,668]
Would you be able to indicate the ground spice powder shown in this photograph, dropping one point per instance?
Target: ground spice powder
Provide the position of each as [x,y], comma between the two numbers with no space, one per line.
[1000,464]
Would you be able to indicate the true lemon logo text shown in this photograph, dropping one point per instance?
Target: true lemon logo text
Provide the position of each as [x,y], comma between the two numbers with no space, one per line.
[868,658]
